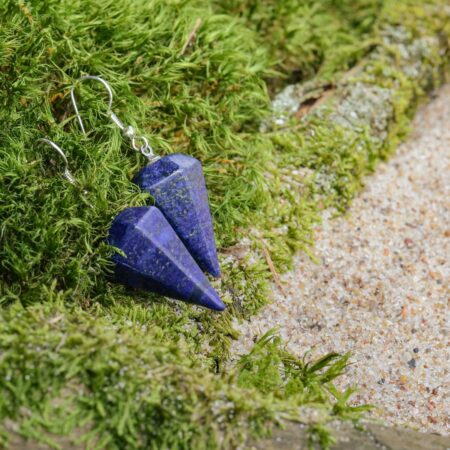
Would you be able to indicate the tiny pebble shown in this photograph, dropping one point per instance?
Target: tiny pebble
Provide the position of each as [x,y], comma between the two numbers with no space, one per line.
[412,363]
[409,242]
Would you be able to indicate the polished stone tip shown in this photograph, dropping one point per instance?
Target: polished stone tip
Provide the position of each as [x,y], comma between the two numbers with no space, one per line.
[210,299]
[177,184]
[156,260]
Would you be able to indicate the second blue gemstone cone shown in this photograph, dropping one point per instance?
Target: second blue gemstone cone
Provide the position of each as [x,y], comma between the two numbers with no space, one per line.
[178,186]
[156,260]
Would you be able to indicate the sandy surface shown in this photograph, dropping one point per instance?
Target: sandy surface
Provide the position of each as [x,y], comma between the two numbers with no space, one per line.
[381,289]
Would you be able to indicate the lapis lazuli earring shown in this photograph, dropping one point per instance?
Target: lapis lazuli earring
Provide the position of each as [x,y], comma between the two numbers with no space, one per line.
[154,258]
[157,260]
[177,184]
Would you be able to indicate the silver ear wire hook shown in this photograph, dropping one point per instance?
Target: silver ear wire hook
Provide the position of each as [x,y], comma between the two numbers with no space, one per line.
[66,172]
[127,130]
[110,100]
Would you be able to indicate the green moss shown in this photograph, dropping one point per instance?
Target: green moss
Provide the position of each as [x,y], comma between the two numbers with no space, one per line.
[66,330]
[120,382]
[307,38]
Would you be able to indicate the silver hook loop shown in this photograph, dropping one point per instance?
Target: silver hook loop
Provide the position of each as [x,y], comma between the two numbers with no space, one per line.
[66,172]
[110,100]
[127,130]
[146,149]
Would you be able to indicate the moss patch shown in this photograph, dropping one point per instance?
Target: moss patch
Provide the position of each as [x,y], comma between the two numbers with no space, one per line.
[119,381]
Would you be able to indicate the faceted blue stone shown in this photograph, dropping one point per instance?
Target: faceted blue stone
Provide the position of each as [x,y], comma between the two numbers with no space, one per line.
[178,186]
[156,259]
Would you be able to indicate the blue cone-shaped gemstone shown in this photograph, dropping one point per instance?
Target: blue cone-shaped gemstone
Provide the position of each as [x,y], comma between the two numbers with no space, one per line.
[156,259]
[178,186]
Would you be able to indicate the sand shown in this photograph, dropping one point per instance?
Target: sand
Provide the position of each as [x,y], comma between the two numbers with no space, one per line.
[381,287]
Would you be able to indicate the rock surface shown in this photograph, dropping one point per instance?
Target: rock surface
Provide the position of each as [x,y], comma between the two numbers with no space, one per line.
[372,437]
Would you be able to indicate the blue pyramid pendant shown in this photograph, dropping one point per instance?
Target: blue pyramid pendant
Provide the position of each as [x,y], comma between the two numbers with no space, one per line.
[156,259]
[178,186]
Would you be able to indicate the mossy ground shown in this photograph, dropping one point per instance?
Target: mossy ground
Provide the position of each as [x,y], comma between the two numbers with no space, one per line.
[124,369]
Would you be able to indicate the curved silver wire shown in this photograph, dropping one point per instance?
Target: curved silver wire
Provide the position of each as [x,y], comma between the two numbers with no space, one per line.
[66,172]
[127,130]
[74,102]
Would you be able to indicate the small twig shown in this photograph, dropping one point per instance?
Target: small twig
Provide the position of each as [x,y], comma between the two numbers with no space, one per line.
[314,102]
[61,342]
[55,319]
[276,277]
[192,35]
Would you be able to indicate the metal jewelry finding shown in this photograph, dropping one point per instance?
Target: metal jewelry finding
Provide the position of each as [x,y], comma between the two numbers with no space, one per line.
[138,143]
[66,172]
